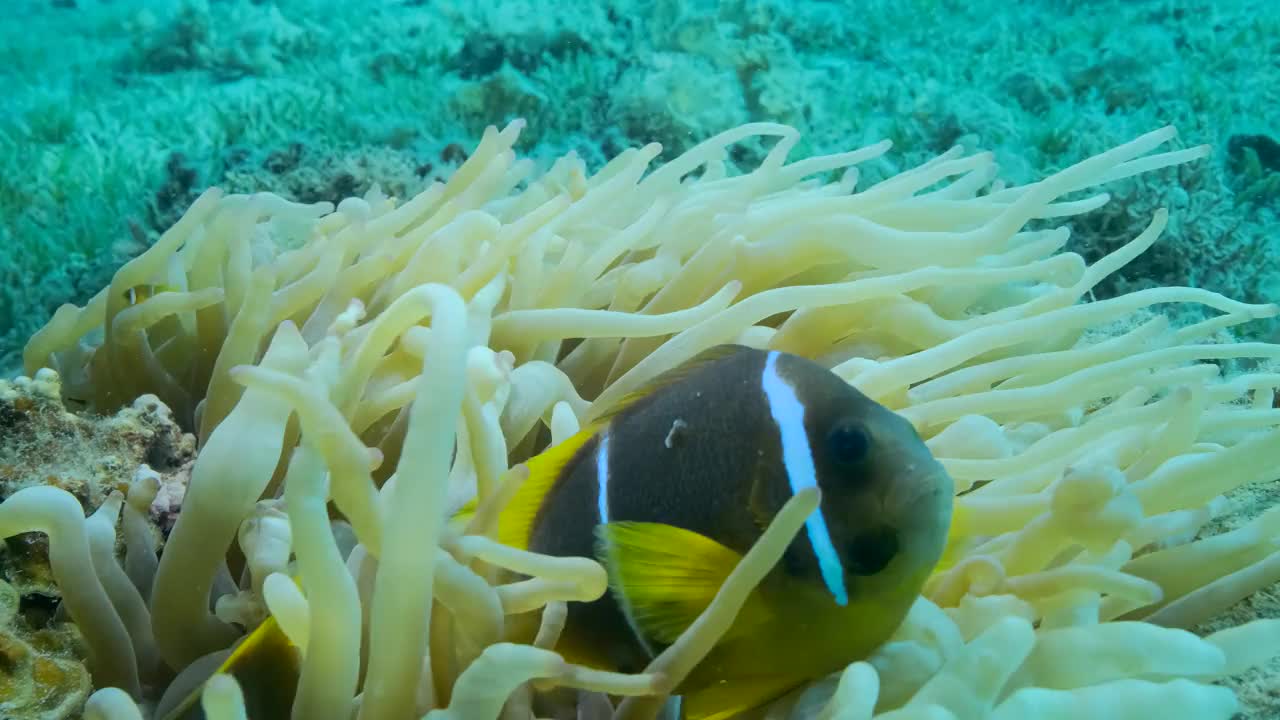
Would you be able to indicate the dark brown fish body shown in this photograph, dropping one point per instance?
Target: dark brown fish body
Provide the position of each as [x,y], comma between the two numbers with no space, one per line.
[673,448]
[716,448]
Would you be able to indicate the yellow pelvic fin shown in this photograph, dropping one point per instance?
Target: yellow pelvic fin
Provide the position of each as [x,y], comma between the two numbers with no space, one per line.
[266,665]
[729,699]
[666,576]
[669,377]
[515,524]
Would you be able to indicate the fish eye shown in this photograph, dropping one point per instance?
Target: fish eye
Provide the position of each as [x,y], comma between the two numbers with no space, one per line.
[848,443]
[872,551]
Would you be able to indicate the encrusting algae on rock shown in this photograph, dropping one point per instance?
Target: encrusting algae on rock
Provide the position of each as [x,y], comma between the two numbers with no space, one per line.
[102,463]
[43,676]
[386,362]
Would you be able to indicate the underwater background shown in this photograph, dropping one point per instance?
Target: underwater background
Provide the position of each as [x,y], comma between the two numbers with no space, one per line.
[116,114]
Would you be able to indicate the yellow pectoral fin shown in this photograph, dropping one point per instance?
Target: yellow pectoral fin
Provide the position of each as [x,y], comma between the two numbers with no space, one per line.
[727,700]
[666,576]
[266,665]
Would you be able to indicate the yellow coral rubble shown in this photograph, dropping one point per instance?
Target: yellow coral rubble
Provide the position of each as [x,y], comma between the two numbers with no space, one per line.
[399,358]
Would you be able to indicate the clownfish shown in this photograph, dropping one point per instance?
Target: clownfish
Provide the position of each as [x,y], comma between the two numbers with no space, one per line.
[671,487]
[669,490]
[141,293]
[267,667]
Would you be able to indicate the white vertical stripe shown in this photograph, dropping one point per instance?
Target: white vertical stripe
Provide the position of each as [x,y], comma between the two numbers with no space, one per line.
[797,460]
[602,507]
[602,477]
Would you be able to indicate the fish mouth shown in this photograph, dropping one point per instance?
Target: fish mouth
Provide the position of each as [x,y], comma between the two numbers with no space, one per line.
[924,482]
[871,551]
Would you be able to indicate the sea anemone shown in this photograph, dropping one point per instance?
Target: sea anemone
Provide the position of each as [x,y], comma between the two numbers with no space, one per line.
[400,358]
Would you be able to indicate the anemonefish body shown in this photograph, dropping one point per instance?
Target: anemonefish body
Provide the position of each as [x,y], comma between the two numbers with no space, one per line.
[672,487]
[265,664]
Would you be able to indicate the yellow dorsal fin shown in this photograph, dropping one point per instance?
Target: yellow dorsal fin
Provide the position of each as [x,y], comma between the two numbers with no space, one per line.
[669,377]
[266,665]
[665,576]
[730,699]
[515,524]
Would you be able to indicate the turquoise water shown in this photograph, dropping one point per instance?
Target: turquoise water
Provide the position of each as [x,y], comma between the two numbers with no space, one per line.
[115,114]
